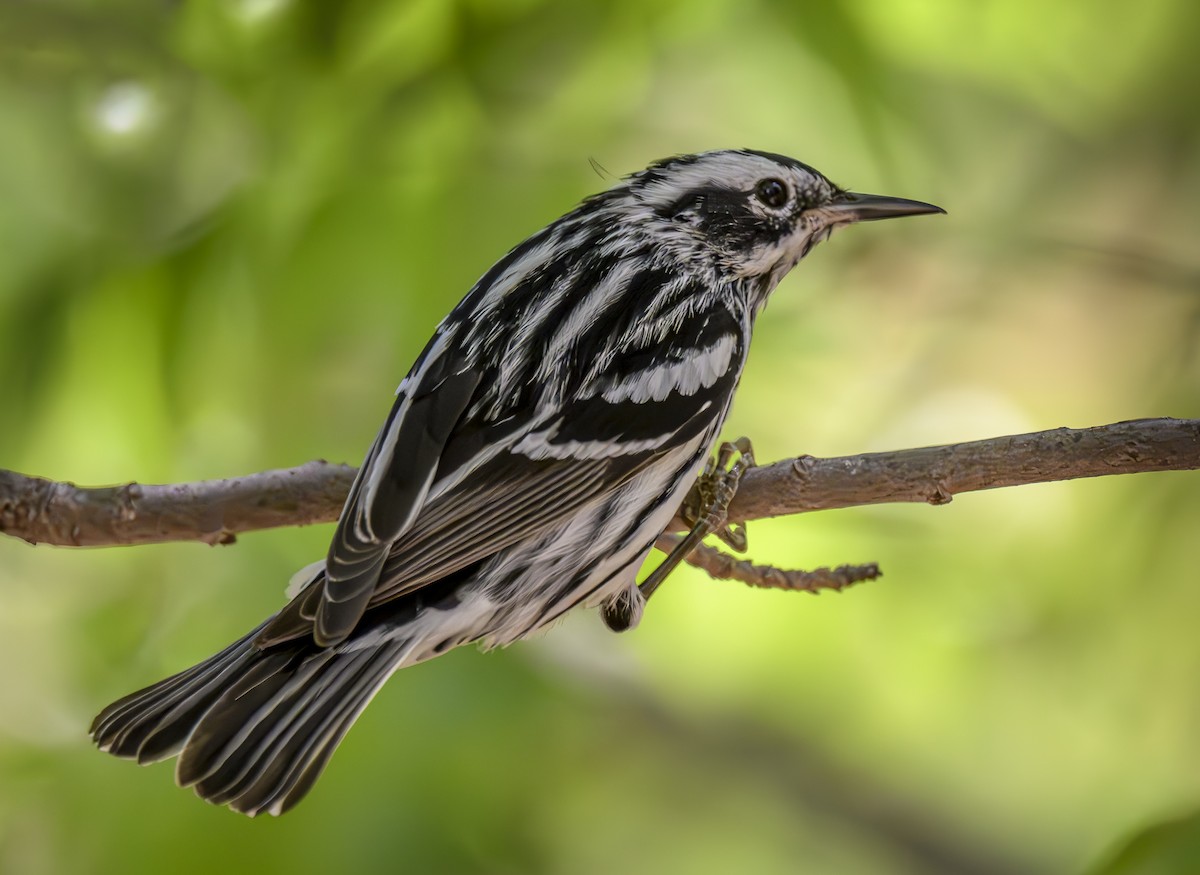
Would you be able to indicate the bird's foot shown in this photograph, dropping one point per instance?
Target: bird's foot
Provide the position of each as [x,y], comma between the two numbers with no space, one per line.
[706,508]
[708,499]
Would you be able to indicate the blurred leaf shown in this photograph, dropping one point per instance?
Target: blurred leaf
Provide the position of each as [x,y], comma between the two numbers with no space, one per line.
[1168,848]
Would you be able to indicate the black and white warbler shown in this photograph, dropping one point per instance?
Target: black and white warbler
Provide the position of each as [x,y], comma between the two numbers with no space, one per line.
[540,443]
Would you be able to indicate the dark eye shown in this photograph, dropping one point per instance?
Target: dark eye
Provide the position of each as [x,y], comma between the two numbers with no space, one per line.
[772,192]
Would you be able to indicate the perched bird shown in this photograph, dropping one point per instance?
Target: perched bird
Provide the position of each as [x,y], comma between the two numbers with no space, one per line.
[541,442]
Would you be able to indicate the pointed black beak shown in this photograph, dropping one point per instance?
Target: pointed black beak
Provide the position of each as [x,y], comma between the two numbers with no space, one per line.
[849,206]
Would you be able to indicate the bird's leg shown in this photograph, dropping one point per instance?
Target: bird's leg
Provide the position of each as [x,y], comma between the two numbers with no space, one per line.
[705,507]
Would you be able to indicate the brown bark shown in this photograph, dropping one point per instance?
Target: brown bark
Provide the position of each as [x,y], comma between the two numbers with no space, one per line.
[214,511]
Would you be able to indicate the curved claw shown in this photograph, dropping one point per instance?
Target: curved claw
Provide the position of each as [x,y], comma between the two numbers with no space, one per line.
[705,508]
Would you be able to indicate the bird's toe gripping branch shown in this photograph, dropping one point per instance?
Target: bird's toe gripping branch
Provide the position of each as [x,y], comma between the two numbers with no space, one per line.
[705,509]
[706,506]
[707,502]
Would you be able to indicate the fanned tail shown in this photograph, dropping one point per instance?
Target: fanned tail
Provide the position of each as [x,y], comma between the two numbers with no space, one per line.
[253,728]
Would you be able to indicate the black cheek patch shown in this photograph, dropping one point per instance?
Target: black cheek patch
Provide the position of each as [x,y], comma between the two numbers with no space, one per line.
[727,218]
[732,223]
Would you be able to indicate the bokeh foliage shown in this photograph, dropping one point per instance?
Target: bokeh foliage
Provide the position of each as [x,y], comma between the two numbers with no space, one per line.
[228,226]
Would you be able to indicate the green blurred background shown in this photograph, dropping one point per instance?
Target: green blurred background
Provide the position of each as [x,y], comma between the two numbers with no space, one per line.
[227,228]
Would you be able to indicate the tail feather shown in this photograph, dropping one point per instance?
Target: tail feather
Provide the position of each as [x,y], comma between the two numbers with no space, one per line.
[239,733]
[145,725]
[253,728]
[300,746]
[245,711]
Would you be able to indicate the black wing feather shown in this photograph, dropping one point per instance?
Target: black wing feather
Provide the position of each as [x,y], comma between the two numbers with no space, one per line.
[486,504]
[512,496]
[387,495]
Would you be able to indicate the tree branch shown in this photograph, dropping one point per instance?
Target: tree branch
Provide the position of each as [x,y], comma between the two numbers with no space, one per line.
[936,474]
[214,511]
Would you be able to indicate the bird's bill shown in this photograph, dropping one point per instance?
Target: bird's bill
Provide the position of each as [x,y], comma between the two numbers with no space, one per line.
[850,206]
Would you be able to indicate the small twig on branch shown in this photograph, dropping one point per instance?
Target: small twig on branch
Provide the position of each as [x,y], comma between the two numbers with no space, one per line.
[720,565]
[214,511]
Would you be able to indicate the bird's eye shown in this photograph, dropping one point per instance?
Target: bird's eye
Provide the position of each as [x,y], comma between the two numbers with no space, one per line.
[772,192]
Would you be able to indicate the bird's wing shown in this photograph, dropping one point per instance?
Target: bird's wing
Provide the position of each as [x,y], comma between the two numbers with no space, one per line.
[391,485]
[538,482]
[441,490]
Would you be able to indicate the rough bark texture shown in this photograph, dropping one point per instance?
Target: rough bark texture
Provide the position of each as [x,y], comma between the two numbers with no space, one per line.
[51,512]
[936,474]
[214,511]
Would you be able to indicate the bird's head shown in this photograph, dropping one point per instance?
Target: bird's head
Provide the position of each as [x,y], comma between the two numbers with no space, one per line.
[752,214]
